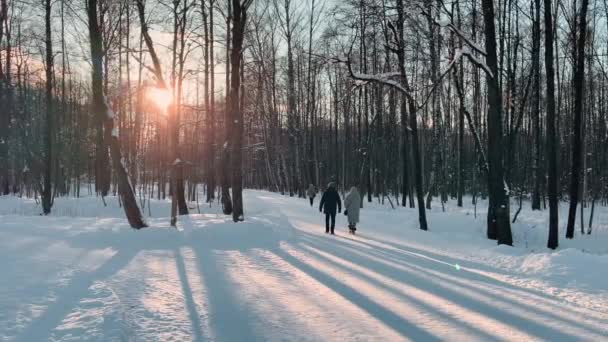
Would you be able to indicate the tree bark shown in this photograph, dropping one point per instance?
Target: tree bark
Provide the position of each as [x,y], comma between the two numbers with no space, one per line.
[239,19]
[499,225]
[552,140]
[47,200]
[579,88]
[228,123]
[103,112]
[209,99]
[538,170]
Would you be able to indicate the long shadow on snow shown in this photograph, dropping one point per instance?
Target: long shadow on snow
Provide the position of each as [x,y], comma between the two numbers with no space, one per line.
[429,258]
[459,321]
[68,297]
[399,251]
[341,249]
[397,323]
[554,304]
[229,319]
[188,298]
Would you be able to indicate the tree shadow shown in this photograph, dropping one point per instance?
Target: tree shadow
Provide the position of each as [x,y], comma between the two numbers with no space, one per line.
[512,295]
[220,236]
[68,297]
[397,252]
[188,298]
[41,328]
[399,324]
[460,321]
[230,319]
[414,278]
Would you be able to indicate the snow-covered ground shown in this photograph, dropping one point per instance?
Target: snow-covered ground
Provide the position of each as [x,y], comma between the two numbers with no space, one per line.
[82,274]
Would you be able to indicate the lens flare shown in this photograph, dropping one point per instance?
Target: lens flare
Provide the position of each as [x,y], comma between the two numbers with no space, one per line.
[161,97]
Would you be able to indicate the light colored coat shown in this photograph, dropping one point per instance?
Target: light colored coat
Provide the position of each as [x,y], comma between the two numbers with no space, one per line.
[311,192]
[352,203]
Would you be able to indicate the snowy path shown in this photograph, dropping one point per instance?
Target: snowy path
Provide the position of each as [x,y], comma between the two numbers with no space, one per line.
[275,277]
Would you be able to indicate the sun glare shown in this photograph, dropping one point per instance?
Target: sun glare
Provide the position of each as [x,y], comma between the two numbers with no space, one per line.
[161,97]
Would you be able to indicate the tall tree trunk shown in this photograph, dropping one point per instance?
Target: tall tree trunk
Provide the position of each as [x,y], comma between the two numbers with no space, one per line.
[102,162]
[435,110]
[552,140]
[5,115]
[178,200]
[104,113]
[292,129]
[209,100]
[499,225]
[538,170]
[239,17]
[461,148]
[211,178]
[47,200]
[413,120]
[181,199]
[579,88]
[311,103]
[228,123]
[405,154]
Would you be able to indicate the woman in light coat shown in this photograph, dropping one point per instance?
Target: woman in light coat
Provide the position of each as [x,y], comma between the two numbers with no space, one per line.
[311,193]
[352,203]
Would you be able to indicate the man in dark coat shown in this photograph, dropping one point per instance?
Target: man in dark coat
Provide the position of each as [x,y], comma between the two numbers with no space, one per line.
[329,202]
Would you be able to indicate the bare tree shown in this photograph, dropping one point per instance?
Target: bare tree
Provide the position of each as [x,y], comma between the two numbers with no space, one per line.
[499,224]
[577,142]
[177,182]
[239,20]
[47,193]
[289,21]
[552,141]
[105,114]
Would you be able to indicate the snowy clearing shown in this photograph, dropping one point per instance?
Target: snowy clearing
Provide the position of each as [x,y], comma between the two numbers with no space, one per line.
[82,274]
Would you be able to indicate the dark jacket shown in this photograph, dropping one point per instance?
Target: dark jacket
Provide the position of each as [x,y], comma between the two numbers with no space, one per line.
[329,201]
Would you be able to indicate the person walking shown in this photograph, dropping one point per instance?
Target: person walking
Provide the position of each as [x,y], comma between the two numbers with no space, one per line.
[352,204]
[329,202]
[311,193]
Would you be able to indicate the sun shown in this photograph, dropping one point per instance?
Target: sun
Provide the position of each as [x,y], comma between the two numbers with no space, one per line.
[161,97]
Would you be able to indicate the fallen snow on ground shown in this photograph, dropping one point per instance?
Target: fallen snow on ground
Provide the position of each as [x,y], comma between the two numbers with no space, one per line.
[81,274]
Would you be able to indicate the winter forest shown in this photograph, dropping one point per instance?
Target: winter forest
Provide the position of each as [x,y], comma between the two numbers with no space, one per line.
[479,117]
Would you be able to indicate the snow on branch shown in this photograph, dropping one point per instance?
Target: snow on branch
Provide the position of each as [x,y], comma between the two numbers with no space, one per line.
[447,23]
[457,56]
[380,79]
[362,79]
[469,42]
[479,63]
[465,50]
[385,78]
